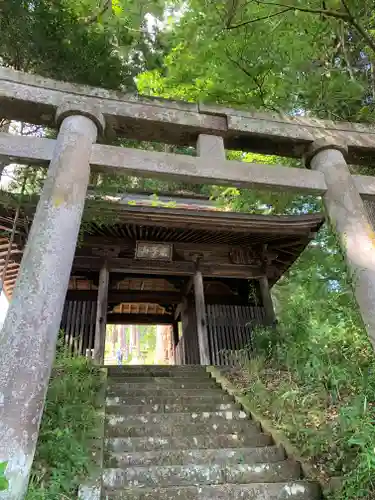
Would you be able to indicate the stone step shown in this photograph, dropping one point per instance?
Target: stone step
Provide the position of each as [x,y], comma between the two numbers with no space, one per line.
[223,456]
[155,371]
[185,418]
[294,490]
[119,409]
[167,399]
[180,475]
[163,392]
[187,442]
[205,377]
[163,384]
[118,426]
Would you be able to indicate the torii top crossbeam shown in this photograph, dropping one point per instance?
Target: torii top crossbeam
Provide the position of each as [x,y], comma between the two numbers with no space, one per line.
[34,99]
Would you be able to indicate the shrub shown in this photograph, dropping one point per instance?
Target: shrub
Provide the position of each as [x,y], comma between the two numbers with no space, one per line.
[69,422]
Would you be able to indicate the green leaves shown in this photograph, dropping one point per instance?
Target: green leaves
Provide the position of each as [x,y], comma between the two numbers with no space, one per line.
[70,422]
[3,480]
[79,41]
[117,8]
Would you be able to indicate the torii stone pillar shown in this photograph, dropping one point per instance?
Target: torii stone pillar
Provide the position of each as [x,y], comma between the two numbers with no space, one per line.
[28,338]
[348,216]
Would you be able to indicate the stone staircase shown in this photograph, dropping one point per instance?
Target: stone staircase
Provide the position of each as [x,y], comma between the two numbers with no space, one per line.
[172,433]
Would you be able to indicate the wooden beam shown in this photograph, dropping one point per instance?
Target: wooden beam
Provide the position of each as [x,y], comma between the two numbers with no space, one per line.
[132,266]
[139,319]
[152,297]
[128,296]
[101,315]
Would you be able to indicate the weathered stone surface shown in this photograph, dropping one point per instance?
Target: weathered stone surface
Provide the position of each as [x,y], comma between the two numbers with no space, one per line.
[349,218]
[190,377]
[121,409]
[174,167]
[223,456]
[204,441]
[156,371]
[175,450]
[89,492]
[182,168]
[162,476]
[34,99]
[32,150]
[296,490]
[163,383]
[160,392]
[262,472]
[165,399]
[173,419]
[118,426]
[29,334]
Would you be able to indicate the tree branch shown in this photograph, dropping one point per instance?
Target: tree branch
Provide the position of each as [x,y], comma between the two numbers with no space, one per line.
[361,30]
[346,16]
[345,52]
[324,12]
[258,19]
[255,81]
[95,17]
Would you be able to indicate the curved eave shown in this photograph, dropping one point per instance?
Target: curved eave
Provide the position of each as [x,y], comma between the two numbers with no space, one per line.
[279,227]
[214,220]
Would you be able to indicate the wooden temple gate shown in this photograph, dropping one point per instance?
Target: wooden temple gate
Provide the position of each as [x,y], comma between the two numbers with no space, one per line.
[51,265]
[199,271]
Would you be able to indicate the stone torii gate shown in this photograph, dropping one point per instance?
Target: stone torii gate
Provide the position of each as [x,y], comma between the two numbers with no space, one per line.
[82,114]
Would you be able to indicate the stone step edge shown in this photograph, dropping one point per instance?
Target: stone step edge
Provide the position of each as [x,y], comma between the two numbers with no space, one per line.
[201,384]
[170,475]
[189,391]
[313,492]
[218,398]
[327,486]
[108,455]
[205,415]
[109,440]
[151,429]
[161,410]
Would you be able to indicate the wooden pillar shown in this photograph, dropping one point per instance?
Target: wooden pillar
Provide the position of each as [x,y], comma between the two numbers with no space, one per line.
[175,334]
[101,315]
[348,217]
[200,309]
[92,329]
[267,301]
[82,329]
